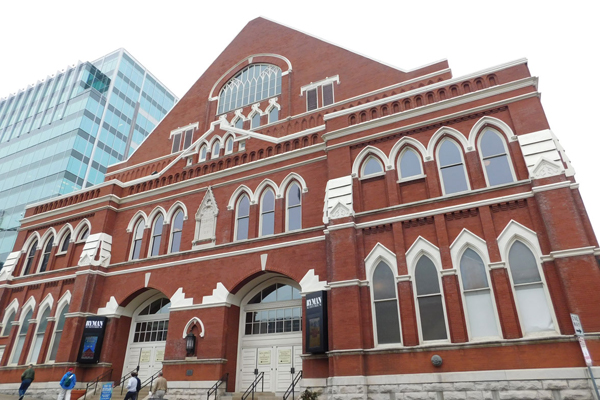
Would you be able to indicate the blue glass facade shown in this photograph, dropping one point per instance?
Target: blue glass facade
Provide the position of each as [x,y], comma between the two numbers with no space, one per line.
[61,134]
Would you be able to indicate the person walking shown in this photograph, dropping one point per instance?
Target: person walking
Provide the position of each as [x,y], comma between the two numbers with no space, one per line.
[132,387]
[67,383]
[160,387]
[26,378]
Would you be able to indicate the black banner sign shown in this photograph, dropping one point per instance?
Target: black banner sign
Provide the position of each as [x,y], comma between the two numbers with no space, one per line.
[91,341]
[316,322]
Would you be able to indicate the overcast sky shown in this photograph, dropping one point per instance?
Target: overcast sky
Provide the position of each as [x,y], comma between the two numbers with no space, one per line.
[177,41]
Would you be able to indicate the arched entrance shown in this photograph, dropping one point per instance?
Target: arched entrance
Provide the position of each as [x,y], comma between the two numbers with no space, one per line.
[270,334]
[147,336]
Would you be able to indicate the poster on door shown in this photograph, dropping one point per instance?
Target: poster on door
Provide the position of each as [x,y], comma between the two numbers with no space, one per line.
[284,356]
[264,357]
[160,355]
[145,356]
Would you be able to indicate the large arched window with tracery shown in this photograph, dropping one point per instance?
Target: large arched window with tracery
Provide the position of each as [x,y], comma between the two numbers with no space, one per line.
[254,83]
[275,309]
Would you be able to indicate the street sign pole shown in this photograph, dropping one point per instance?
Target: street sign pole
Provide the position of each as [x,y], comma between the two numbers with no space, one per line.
[584,350]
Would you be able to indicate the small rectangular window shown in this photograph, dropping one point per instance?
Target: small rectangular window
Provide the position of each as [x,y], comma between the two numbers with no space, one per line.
[311,100]
[188,138]
[327,94]
[176,143]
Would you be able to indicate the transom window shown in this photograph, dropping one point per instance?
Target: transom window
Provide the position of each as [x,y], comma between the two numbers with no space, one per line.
[155,330]
[254,83]
[160,306]
[276,318]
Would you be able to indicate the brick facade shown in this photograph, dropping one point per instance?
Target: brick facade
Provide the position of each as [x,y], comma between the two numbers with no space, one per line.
[379,112]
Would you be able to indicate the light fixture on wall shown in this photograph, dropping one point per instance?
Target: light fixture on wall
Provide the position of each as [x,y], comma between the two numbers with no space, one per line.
[190,344]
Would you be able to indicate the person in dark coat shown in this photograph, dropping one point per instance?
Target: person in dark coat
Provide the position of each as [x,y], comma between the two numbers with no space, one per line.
[26,378]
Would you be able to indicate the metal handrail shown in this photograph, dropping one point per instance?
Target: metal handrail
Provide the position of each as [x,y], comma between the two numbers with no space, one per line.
[94,383]
[127,377]
[215,387]
[150,380]
[252,388]
[290,389]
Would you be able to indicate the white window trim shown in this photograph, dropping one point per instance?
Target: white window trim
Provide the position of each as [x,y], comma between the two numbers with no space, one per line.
[200,157]
[63,236]
[215,140]
[506,152]
[62,303]
[315,85]
[43,248]
[154,219]
[369,151]
[228,138]
[413,177]
[423,247]
[332,93]
[138,221]
[46,304]
[378,254]
[12,307]
[364,165]
[287,194]
[80,229]
[467,240]
[235,216]
[464,165]
[28,306]
[37,248]
[512,232]
[262,195]
[171,231]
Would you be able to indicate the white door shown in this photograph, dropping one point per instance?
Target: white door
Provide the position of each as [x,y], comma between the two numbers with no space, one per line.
[148,356]
[288,357]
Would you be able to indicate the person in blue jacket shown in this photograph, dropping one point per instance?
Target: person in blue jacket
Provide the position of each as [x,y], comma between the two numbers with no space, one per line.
[67,383]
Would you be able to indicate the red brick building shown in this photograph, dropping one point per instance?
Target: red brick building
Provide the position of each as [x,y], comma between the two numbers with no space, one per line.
[439,215]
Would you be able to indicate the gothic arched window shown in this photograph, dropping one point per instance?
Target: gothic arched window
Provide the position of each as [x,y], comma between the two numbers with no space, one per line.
[254,83]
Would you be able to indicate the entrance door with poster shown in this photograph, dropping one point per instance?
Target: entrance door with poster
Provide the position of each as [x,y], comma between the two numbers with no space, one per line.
[147,338]
[271,340]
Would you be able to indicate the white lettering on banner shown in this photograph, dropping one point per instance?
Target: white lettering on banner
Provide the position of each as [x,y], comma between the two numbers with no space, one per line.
[94,324]
[313,303]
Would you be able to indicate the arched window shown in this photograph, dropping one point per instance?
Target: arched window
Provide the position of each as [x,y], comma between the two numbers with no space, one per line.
[254,83]
[481,316]
[20,342]
[275,309]
[30,257]
[64,246]
[255,121]
[229,145]
[372,166]
[273,115]
[8,325]
[267,213]
[36,346]
[46,254]
[202,156]
[294,207]
[84,234]
[154,322]
[242,218]
[534,312]
[409,164]
[385,300]
[452,168]
[138,234]
[239,123]
[157,228]
[176,228]
[494,156]
[58,330]
[216,148]
[430,301]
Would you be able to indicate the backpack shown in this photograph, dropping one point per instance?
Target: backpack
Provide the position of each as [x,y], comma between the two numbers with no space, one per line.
[67,382]
[139,384]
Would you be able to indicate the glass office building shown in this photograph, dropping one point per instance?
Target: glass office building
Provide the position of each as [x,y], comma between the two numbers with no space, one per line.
[60,134]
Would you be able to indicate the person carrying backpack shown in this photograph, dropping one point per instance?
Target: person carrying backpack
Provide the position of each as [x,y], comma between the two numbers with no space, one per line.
[138,387]
[67,383]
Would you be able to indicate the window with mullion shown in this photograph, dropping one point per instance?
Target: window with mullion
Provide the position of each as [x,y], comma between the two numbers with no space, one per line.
[156,235]
[46,254]
[267,213]
[138,234]
[294,207]
[30,257]
[242,218]
[176,229]
[20,342]
[36,346]
[429,300]
[60,324]
[385,301]
[495,158]
[452,168]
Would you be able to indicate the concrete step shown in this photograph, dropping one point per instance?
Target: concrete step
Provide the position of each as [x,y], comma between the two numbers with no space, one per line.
[257,396]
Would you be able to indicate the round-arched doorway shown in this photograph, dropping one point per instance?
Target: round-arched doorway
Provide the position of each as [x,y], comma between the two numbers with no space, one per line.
[148,336]
[270,335]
